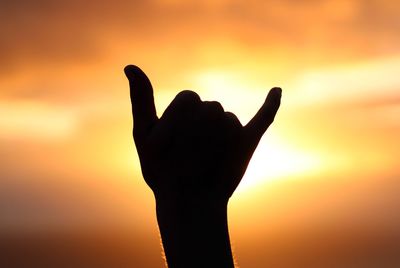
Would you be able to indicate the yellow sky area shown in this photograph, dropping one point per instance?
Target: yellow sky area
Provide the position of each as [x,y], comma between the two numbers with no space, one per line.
[230,88]
[352,98]
[334,122]
[33,120]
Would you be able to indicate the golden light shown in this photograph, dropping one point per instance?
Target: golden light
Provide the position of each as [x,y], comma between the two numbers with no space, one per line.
[36,120]
[236,90]
[274,160]
[368,80]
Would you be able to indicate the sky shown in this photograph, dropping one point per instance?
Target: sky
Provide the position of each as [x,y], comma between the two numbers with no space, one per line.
[329,163]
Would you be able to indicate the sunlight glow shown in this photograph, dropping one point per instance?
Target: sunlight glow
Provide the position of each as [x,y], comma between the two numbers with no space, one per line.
[358,81]
[237,92]
[273,161]
[36,120]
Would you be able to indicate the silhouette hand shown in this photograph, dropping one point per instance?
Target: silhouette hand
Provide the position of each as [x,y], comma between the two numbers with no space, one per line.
[195,150]
[193,158]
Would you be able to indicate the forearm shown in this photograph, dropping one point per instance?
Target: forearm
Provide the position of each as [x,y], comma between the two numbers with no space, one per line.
[195,233]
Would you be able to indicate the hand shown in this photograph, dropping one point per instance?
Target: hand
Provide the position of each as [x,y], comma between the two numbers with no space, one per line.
[193,158]
[195,150]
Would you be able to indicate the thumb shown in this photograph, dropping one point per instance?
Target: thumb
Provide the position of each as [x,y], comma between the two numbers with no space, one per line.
[257,126]
[141,92]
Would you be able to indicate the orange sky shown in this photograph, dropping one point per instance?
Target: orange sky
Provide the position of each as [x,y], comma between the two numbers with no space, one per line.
[66,154]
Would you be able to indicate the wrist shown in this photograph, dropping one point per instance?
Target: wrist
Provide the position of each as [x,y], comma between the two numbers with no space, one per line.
[194,230]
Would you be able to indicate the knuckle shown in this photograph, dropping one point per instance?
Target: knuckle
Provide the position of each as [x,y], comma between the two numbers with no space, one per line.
[231,116]
[232,119]
[214,105]
[188,96]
